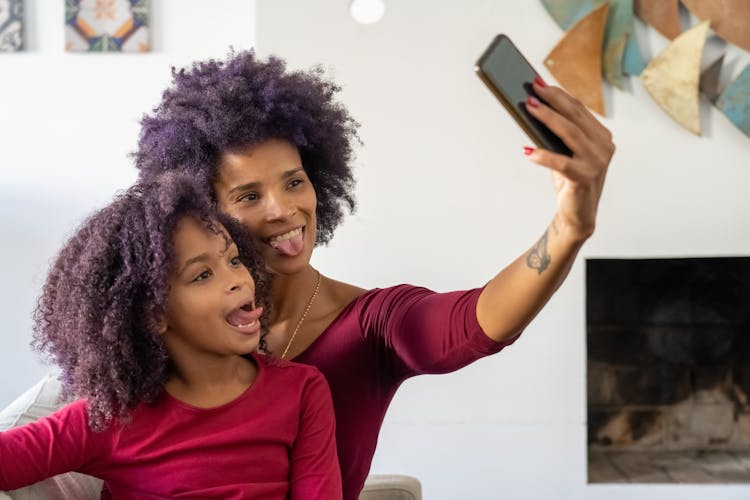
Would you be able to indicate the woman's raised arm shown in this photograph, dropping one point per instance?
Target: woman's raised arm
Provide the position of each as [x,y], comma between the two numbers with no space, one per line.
[515,295]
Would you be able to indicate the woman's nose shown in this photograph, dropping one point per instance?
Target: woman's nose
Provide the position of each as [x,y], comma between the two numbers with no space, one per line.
[277,207]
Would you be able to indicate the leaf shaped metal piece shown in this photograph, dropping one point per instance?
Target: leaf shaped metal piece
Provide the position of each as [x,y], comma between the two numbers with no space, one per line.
[576,60]
[672,77]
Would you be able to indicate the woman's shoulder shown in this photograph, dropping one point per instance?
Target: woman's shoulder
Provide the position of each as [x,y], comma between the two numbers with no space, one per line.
[335,297]
[344,294]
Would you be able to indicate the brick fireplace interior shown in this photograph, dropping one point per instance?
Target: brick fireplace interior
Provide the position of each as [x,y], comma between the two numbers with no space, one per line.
[668,370]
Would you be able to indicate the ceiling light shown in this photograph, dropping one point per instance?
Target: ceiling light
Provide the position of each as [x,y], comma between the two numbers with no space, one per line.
[367,11]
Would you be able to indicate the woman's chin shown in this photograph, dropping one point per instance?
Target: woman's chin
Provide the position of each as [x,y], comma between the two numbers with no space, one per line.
[285,265]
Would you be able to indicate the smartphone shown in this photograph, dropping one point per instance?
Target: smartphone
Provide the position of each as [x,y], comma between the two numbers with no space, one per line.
[509,75]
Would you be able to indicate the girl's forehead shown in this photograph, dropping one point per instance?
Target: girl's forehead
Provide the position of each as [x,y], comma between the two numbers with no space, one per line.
[191,233]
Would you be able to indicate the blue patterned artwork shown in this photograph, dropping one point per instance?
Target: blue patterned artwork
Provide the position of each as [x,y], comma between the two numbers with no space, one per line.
[11,25]
[734,102]
[106,26]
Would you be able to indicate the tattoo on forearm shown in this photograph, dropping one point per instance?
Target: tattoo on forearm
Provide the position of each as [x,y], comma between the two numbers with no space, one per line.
[538,258]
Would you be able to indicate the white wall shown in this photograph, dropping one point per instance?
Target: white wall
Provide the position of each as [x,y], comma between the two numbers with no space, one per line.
[67,125]
[446,198]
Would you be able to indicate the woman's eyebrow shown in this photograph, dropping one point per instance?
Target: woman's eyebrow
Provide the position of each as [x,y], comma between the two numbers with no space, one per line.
[244,187]
[290,173]
[255,185]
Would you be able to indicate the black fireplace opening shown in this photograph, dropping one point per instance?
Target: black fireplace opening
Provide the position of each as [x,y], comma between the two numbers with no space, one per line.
[668,369]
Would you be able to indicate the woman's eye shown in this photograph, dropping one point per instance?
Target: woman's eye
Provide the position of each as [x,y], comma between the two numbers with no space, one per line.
[248,197]
[236,261]
[203,276]
[295,182]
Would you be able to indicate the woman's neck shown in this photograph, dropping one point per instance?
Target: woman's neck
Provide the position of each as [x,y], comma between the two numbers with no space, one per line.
[290,293]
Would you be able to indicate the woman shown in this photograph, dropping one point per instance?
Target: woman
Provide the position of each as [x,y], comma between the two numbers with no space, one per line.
[275,150]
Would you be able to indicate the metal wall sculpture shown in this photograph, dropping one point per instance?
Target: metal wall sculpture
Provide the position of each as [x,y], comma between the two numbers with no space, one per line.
[673,77]
[729,18]
[664,15]
[620,43]
[734,102]
[576,61]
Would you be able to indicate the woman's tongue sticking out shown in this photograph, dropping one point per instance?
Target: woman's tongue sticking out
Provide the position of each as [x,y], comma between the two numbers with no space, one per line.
[290,244]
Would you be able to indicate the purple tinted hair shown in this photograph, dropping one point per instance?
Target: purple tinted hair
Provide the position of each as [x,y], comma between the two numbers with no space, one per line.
[100,312]
[220,106]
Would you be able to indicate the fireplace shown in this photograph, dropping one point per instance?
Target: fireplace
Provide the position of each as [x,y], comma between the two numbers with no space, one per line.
[668,370]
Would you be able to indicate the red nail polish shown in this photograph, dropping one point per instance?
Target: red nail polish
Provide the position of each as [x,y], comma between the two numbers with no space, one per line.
[527,150]
[538,80]
[532,101]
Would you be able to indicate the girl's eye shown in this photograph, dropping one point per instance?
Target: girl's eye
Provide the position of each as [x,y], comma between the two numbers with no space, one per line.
[236,261]
[203,276]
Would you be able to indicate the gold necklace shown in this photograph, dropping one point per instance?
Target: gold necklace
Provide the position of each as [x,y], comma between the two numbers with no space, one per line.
[302,319]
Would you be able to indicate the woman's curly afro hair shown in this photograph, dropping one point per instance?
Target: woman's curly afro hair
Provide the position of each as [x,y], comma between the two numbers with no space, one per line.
[100,312]
[218,106]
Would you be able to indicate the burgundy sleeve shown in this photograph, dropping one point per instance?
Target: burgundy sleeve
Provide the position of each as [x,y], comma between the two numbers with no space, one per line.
[316,474]
[424,331]
[58,443]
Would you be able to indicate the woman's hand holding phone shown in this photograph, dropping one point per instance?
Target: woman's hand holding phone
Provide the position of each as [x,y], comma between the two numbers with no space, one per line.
[569,139]
[578,178]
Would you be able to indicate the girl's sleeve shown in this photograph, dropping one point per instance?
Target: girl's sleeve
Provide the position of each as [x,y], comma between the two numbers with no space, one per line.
[421,331]
[315,470]
[58,443]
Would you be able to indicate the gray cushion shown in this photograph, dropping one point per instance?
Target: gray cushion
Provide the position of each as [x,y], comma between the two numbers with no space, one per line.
[391,487]
[41,400]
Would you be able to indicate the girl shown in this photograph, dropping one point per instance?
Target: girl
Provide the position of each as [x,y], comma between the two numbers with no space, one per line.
[151,314]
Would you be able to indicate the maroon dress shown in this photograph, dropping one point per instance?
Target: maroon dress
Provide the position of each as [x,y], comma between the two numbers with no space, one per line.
[379,340]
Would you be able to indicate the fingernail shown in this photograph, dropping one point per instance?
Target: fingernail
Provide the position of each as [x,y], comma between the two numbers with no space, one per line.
[532,101]
[538,80]
[527,150]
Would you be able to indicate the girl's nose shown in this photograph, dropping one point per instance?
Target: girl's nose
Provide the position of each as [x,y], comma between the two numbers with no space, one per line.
[241,279]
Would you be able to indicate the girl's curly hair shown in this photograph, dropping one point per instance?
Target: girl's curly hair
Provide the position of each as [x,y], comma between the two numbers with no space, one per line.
[219,106]
[100,312]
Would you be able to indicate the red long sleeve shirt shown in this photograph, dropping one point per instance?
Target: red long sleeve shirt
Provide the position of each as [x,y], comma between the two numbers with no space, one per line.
[275,441]
[379,340]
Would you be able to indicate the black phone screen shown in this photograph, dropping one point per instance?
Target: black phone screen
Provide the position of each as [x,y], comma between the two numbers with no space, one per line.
[503,67]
